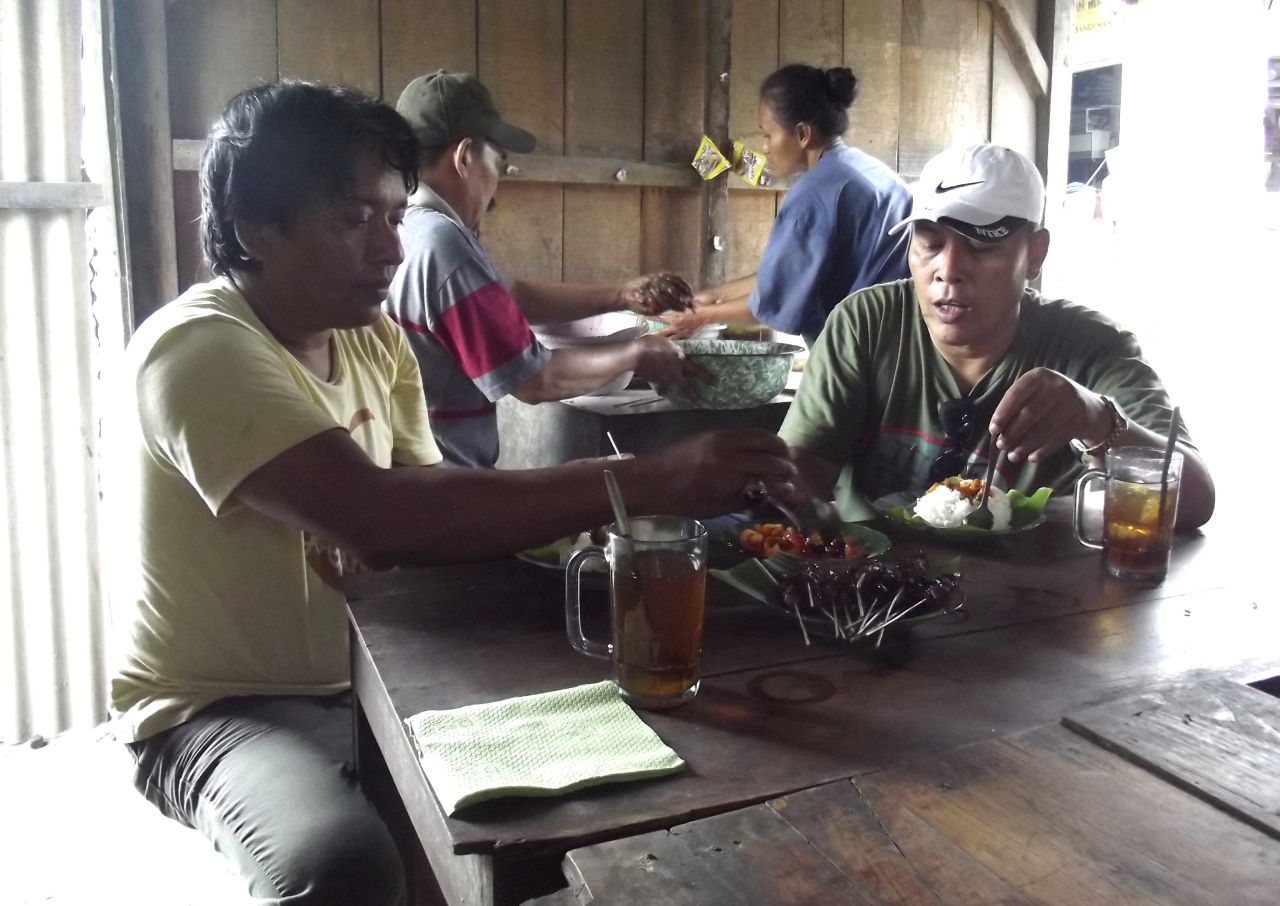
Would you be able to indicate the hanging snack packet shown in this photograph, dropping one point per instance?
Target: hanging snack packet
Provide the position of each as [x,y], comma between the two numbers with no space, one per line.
[709,162]
[755,168]
[750,165]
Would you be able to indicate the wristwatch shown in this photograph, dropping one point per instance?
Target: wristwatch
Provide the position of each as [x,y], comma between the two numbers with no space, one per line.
[1119,424]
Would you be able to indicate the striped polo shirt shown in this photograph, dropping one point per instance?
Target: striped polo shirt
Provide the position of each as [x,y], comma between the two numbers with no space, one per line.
[472,342]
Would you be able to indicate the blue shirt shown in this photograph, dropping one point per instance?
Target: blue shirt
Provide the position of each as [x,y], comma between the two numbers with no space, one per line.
[831,238]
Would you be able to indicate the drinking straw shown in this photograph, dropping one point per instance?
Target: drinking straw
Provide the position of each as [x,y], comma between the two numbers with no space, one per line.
[1168,458]
[619,509]
[613,443]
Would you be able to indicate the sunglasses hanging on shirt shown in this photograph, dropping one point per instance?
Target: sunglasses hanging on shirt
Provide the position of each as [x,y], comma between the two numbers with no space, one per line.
[959,420]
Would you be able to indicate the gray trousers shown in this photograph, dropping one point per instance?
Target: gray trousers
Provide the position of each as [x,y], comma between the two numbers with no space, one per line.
[269,780]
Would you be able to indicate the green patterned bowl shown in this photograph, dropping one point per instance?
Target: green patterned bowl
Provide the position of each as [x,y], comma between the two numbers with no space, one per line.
[747,373]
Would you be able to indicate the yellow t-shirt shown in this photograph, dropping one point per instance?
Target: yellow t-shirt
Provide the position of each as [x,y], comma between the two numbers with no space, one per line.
[212,598]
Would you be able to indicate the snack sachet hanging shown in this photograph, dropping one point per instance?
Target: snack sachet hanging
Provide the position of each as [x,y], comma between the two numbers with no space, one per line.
[709,161]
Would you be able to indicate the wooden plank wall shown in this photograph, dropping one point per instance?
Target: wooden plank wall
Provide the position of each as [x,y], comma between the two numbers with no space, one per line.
[618,78]
[1013,109]
[946,76]
[675,70]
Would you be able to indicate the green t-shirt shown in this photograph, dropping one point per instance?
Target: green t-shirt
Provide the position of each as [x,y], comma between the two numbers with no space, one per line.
[213,598]
[871,389]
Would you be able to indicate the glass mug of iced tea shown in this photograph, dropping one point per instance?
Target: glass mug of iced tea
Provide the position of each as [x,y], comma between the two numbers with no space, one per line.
[657,593]
[1137,528]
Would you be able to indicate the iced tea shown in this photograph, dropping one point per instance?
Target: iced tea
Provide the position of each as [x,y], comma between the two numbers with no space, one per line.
[657,598]
[1136,543]
[1137,536]
[657,590]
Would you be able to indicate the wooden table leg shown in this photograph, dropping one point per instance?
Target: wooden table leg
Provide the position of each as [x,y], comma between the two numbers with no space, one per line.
[375,779]
[392,778]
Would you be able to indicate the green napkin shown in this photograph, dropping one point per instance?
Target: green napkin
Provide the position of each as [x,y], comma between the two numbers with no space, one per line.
[537,745]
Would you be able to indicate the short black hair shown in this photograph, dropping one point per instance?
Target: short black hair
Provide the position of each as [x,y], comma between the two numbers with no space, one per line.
[280,145]
[805,94]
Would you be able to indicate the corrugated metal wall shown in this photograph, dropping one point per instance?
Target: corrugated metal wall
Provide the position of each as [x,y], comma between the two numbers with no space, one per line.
[52,606]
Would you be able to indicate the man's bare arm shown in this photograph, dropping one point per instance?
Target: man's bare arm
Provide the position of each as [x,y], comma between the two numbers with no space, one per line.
[329,487]
[652,294]
[1044,410]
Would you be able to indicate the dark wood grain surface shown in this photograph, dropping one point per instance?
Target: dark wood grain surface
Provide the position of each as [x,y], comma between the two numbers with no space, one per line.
[1043,816]
[1217,740]
[774,852]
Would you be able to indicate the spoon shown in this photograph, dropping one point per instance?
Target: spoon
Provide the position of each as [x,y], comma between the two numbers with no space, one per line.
[981,517]
[619,509]
[623,523]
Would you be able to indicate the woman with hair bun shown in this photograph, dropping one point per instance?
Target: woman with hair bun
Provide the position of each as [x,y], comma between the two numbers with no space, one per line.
[831,234]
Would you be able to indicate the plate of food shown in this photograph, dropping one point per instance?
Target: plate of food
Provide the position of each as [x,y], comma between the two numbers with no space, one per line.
[555,556]
[783,548]
[851,600]
[939,512]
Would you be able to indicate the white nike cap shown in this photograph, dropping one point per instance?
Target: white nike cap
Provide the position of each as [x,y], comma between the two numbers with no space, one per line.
[984,192]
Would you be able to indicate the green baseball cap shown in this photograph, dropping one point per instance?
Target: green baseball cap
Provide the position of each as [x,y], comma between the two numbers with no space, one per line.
[443,107]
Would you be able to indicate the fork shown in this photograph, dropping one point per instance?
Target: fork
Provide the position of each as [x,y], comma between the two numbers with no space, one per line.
[981,517]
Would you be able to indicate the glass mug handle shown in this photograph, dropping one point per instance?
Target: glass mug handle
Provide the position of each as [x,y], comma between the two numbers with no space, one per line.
[573,603]
[1078,521]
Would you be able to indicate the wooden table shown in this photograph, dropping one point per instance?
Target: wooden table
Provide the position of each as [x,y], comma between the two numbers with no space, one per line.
[1045,634]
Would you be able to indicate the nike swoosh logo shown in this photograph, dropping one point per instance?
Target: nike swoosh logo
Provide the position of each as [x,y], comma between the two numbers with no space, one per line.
[960,185]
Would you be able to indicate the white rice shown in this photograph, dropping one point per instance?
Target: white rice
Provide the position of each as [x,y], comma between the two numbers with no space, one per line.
[946,508]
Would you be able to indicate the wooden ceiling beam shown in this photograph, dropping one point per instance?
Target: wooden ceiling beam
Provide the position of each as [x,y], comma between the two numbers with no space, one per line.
[1027,58]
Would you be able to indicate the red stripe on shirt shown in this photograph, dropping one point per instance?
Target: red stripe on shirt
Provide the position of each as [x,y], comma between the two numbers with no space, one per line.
[897,429]
[483,330]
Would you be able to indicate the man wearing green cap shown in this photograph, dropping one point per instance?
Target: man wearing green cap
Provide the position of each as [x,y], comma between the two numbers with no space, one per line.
[467,324]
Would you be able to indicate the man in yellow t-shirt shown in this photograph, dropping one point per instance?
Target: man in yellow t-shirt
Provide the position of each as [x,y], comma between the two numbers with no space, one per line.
[271,436]
[259,610]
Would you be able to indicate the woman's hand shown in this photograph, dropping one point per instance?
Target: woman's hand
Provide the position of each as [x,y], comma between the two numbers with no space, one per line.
[684,324]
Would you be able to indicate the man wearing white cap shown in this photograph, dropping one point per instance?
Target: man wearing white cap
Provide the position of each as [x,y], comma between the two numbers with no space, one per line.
[908,379]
